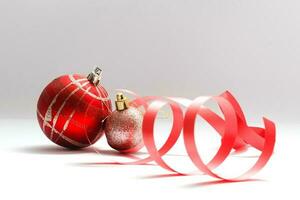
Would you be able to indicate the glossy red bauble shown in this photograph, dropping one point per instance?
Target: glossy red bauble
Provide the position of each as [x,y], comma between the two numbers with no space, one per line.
[71,110]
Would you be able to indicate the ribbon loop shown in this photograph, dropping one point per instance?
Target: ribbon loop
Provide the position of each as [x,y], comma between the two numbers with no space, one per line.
[233,129]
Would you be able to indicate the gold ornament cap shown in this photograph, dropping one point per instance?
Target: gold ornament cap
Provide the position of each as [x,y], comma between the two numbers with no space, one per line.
[95,76]
[121,102]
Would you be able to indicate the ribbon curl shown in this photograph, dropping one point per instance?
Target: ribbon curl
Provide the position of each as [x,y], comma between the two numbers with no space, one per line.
[233,129]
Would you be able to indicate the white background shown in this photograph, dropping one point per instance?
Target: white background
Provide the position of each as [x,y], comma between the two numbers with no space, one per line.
[160,47]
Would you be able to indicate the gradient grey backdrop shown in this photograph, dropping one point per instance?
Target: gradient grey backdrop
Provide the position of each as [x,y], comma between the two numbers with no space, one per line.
[155,47]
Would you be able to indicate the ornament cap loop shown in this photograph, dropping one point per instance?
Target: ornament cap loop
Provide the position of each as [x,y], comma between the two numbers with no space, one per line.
[95,76]
[121,102]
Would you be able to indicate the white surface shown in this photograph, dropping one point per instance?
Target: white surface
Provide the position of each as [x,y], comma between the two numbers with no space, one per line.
[33,168]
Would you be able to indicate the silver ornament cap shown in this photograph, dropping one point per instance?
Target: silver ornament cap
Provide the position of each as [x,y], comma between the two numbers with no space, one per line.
[95,76]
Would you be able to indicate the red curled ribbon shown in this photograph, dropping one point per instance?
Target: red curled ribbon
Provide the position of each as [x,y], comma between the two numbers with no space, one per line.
[233,129]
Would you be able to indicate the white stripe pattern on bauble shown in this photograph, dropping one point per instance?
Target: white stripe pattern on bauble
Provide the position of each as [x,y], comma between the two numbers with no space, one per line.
[48,113]
[89,93]
[66,125]
[73,142]
[62,106]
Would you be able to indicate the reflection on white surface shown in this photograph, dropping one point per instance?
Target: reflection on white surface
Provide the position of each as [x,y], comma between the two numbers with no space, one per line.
[32,167]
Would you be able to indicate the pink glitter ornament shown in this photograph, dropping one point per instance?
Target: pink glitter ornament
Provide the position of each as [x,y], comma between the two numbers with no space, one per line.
[123,128]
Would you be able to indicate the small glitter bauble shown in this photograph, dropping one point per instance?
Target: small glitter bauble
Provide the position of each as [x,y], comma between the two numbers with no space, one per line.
[123,127]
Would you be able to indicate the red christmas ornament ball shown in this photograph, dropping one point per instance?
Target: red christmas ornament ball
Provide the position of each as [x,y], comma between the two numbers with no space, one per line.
[71,110]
